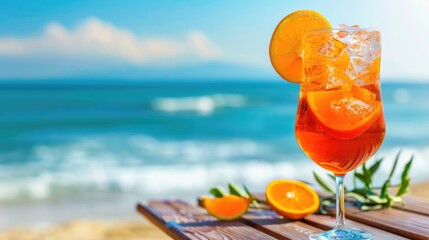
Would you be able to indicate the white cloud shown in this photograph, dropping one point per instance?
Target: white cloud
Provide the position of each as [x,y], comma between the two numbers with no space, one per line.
[96,38]
[202,45]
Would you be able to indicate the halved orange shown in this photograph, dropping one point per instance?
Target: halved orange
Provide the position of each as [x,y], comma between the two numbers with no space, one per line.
[292,199]
[285,47]
[345,113]
[228,207]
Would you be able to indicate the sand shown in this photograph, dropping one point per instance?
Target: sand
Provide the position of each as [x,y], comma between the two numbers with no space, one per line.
[420,191]
[121,229]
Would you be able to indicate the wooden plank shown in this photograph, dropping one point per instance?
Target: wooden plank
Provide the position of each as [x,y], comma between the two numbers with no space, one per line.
[391,231]
[183,221]
[415,206]
[281,228]
[159,222]
[269,222]
[327,223]
[406,224]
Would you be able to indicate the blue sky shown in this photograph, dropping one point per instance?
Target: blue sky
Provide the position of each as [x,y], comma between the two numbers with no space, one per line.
[195,39]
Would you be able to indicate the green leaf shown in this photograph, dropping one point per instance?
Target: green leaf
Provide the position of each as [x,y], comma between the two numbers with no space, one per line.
[354,179]
[377,199]
[324,203]
[389,201]
[366,172]
[356,196]
[236,190]
[360,191]
[407,169]
[405,180]
[370,207]
[369,191]
[247,191]
[398,200]
[323,184]
[331,176]
[374,167]
[218,191]
[368,176]
[361,177]
[394,165]
[403,189]
[254,202]
[385,189]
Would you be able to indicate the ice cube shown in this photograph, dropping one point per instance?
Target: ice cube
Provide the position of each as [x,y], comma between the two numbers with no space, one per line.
[368,78]
[359,44]
[372,73]
[314,66]
[342,25]
[340,35]
[341,62]
[343,35]
[316,73]
[350,71]
[375,39]
[337,79]
[315,82]
[332,49]
[360,65]
[375,45]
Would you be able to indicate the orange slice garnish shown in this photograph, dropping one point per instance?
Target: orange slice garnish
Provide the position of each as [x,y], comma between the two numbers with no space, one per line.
[345,113]
[285,46]
[292,199]
[228,207]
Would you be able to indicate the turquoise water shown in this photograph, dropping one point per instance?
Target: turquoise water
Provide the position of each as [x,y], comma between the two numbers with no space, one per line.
[62,138]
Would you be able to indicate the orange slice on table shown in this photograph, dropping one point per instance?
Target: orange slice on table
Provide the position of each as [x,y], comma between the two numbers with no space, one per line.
[344,113]
[285,46]
[228,207]
[292,199]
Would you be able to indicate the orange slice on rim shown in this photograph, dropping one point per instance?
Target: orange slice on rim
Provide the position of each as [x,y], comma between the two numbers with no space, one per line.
[292,199]
[344,113]
[285,47]
[228,207]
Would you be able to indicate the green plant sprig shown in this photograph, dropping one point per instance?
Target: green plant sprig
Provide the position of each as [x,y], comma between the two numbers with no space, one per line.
[369,197]
[236,190]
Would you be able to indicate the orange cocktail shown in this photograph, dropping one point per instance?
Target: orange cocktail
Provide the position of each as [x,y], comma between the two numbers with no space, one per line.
[340,121]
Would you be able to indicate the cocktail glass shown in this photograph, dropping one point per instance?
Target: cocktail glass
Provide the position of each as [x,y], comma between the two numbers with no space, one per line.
[340,120]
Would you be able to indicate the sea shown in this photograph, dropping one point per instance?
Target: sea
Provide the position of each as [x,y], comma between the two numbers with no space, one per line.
[89,147]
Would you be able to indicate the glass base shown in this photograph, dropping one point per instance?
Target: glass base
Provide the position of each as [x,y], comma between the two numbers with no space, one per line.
[337,234]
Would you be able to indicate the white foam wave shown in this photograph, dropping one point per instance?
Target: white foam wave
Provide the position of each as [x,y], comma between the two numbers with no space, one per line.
[185,168]
[204,105]
[150,181]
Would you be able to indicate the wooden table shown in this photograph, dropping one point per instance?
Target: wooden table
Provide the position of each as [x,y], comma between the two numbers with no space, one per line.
[182,220]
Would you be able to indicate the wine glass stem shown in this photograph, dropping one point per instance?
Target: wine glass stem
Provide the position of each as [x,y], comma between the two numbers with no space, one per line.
[340,214]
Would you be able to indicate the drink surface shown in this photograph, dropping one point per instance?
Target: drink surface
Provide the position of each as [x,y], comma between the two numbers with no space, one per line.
[340,121]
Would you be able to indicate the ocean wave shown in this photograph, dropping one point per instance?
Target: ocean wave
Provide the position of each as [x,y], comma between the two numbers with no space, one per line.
[150,181]
[156,168]
[204,105]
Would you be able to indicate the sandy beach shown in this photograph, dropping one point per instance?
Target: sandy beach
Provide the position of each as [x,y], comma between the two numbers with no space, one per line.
[132,228]
[120,229]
